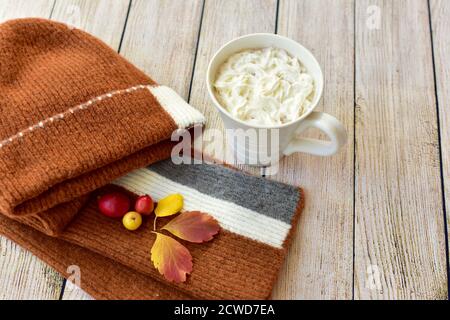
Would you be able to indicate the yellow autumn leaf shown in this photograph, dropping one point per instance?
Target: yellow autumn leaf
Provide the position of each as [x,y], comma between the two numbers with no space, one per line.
[169,205]
[171,258]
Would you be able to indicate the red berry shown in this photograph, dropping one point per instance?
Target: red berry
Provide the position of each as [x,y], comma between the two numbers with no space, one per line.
[144,205]
[114,205]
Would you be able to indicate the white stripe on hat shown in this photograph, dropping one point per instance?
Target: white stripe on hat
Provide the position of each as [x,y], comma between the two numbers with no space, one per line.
[232,217]
[181,112]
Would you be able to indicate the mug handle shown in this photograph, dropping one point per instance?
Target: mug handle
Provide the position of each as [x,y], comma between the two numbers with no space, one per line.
[326,123]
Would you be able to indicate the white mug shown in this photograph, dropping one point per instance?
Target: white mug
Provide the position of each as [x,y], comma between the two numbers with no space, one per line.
[273,142]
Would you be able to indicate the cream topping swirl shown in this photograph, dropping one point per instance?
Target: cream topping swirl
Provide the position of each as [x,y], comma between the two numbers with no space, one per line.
[264,86]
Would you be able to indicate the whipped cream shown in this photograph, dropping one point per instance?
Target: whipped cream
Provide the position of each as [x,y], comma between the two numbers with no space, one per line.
[264,86]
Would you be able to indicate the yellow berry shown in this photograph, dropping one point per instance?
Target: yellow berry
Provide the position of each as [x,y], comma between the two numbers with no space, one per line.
[132,220]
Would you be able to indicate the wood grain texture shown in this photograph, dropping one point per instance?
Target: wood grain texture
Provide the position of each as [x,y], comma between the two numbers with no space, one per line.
[399,217]
[14,9]
[440,21]
[106,20]
[161,39]
[222,22]
[73,292]
[320,261]
[22,275]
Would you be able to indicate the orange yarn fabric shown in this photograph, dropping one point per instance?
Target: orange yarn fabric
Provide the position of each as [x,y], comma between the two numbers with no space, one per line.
[74,115]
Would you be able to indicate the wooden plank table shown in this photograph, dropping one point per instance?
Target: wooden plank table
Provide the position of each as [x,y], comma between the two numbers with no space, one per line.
[375,223]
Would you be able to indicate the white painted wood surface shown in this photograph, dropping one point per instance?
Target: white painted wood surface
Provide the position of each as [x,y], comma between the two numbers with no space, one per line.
[161,39]
[104,19]
[73,292]
[14,9]
[440,18]
[24,277]
[320,261]
[397,225]
[399,230]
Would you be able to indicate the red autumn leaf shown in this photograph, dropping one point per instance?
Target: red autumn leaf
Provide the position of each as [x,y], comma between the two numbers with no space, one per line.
[193,226]
[171,258]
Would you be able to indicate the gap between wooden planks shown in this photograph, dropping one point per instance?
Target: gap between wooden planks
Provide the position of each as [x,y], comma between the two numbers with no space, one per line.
[399,223]
[440,27]
[318,263]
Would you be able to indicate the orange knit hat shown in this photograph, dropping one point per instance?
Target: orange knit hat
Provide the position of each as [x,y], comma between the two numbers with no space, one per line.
[71,111]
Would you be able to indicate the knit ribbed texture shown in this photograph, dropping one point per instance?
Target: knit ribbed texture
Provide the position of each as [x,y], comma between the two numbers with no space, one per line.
[74,115]
[232,266]
[231,215]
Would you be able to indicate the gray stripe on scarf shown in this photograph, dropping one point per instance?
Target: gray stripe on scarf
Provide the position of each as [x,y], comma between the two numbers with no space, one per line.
[274,199]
